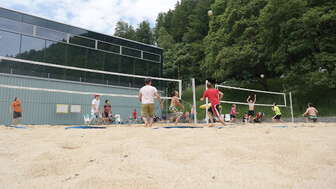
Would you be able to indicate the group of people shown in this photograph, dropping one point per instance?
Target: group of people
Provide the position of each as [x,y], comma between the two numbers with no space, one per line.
[148,93]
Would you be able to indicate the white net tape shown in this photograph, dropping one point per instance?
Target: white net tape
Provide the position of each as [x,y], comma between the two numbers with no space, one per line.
[253,90]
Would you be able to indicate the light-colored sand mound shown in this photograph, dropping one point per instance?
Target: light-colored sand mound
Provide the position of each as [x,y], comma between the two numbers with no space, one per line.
[246,156]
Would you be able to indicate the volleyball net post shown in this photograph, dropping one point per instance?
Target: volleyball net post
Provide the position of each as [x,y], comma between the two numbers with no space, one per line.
[194,108]
[206,102]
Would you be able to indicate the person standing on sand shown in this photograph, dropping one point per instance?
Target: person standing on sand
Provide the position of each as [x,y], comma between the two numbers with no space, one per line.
[176,107]
[214,96]
[16,108]
[311,113]
[95,106]
[146,96]
[251,102]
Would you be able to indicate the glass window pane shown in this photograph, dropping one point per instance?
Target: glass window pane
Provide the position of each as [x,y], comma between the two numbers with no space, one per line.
[55,73]
[95,78]
[10,14]
[127,66]
[112,63]
[75,75]
[15,26]
[45,23]
[32,48]
[131,52]
[55,52]
[51,34]
[154,70]
[9,43]
[27,69]
[77,56]
[150,56]
[5,66]
[82,41]
[96,59]
[108,47]
[140,67]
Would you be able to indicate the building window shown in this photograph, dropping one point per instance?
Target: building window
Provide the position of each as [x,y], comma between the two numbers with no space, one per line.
[131,52]
[15,26]
[51,34]
[9,43]
[55,53]
[82,41]
[32,48]
[108,47]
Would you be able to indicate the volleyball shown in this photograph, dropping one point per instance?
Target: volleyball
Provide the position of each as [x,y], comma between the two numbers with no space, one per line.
[210,13]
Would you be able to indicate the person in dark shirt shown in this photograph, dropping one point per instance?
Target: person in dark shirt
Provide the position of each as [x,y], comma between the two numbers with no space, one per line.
[107,114]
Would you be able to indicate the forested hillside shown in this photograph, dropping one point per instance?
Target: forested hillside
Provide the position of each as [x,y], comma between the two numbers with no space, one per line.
[291,42]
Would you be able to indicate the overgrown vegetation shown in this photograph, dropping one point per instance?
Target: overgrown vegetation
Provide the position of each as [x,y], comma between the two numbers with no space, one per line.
[291,42]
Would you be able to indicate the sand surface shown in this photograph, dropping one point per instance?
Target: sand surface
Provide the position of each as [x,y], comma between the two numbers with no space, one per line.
[254,156]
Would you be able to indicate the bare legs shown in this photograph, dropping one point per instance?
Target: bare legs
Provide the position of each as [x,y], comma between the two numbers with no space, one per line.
[148,121]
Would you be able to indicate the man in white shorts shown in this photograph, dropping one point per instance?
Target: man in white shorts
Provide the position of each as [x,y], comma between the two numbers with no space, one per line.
[95,106]
[146,96]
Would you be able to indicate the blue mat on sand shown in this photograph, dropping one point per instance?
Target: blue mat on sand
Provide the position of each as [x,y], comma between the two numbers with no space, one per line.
[85,127]
[17,127]
[178,127]
[280,126]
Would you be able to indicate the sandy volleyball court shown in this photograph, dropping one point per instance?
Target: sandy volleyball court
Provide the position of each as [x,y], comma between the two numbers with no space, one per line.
[256,156]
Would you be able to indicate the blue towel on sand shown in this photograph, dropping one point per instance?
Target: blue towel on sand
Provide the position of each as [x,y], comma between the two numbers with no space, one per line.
[280,126]
[16,126]
[85,127]
[178,127]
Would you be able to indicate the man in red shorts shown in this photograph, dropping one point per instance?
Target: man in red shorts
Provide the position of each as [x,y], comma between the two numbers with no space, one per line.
[214,95]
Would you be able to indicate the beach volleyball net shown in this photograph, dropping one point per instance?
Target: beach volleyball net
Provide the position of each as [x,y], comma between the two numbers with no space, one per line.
[264,100]
[59,94]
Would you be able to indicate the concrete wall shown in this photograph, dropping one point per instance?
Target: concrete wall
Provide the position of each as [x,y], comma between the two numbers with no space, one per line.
[39,107]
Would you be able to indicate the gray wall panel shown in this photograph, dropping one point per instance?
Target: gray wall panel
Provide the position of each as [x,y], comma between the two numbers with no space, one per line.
[39,107]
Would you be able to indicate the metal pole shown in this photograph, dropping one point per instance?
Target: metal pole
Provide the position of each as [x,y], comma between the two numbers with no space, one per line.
[180,89]
[291,106]
[206,102]
[194,100]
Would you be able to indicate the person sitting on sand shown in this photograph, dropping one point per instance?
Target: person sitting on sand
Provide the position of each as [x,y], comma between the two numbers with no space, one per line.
[233,113]
[107,113]
[176,107]
[245,118]
[311,113]
[277,112]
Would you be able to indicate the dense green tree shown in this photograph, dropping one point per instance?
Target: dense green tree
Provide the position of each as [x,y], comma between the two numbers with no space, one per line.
[124,30]
[144,33]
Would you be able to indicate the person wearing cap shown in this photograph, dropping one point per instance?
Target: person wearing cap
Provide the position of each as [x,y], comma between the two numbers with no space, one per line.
[146,96]
[95,106]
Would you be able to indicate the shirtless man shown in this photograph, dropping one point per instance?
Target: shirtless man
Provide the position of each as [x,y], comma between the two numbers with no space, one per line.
[176,106]
[311,113]
[251,102]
